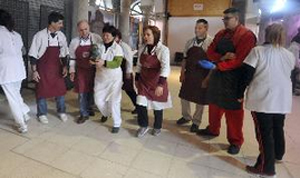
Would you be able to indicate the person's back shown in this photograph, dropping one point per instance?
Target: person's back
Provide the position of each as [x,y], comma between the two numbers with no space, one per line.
[271,85]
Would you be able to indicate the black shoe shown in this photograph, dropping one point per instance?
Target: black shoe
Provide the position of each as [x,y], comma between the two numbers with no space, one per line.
[82,119]
[91,113]
[134,111]
[233,149]
[255,171]
[194,128]
[206,132]
[182,121]
[115,130]
[103,119]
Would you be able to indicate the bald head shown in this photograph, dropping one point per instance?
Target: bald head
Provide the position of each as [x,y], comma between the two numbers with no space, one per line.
[83,28]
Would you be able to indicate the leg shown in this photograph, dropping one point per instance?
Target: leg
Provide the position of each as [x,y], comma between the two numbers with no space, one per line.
[60,104]
[15,101]
[215,115]
[42,107]
[197,118]
[234,122]
[264,133]
[90,102]
[83,102]
[278,134]
[142,116]
[132,95]
[186,109]
[158,119]
[116,112]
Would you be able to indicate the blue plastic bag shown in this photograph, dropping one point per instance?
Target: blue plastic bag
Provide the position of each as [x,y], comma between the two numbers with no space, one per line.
[206,64]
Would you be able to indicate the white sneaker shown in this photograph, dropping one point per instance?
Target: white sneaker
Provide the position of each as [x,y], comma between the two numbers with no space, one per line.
[26,117]
[43,119]
[23,129]
[63,117]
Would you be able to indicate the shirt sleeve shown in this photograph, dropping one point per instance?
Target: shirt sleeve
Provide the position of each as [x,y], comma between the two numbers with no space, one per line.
[244,46]
[165,62]
[35,46]
[138,64]
[295,52]
[64,50]
[252,58]
[186,48]
[128,55]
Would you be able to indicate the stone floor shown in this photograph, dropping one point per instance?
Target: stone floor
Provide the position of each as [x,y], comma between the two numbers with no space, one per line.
[68,150]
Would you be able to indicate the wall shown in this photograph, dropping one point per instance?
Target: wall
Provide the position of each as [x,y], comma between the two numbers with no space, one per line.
[182,28]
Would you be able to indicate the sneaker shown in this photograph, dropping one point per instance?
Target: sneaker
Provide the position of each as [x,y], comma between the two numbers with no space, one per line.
[23,129]
[254,171]
[134,111]
[142,131]
[63,117]
[194,128]
[115,130]
[26,117]
[233,149]
[104,119]
[82,119]
[156,132]
[206,132]
[43,119]
[182,121]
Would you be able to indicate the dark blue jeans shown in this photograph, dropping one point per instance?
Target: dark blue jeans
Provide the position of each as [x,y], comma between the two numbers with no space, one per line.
[42,105]
[86,100]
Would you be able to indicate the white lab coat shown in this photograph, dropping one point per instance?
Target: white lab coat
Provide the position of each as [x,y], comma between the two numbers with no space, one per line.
[295,49]
[270,91]
[163,54]
[12,68]
[93,38]
[12,72]
[108,85]
[40,44]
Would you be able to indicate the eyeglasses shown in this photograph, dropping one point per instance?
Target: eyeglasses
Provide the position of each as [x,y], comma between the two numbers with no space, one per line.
[227,18]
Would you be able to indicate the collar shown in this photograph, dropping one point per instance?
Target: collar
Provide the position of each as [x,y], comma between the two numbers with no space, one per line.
[85,39]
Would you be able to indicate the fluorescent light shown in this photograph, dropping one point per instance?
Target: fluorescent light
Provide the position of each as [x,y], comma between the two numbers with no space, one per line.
[279,4]
[259,11]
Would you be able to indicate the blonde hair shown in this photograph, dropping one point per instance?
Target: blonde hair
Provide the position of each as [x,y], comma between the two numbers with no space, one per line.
[275,34]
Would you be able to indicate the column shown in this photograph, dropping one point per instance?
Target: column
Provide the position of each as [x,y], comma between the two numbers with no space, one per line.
[80,12]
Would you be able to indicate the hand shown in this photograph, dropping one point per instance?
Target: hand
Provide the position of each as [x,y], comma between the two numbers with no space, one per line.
[99,63]
[36,77]
[128,76]
[181,77]
[229,55]
[159,91]
[72,76]
[205,83]
[65,72]
[241,100]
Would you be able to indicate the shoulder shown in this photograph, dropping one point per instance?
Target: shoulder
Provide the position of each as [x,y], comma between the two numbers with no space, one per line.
[161,47]
[288,53]
[190,41]
[61,34]
[41,33]
[95,37]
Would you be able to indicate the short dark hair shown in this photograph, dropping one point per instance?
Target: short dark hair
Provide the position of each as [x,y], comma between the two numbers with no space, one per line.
[6,20]
[232,10]
[55,17]
[110,29]
[156,32]
[119,34]
[202,21]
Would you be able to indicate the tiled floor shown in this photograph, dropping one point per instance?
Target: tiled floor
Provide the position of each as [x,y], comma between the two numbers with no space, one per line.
[68,150]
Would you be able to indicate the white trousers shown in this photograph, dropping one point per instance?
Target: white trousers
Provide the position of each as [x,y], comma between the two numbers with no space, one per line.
[186,111]
[108,95]
[15,101]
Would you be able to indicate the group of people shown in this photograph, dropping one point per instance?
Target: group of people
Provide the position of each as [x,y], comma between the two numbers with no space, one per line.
[215,72]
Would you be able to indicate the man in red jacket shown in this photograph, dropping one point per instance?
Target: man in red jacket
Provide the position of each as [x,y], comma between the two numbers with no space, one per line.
[228,51]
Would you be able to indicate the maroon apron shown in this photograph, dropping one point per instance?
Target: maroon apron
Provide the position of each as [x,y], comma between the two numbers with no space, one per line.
[50,68]
[127,83]
[191,88]
[149,78]
[85,74]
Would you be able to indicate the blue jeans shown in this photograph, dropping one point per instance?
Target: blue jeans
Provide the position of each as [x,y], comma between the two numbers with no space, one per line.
[42,105]
[86,100]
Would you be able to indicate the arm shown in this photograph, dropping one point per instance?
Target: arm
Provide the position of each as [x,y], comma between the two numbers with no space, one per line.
[129,58]
[211,51]
[64,50]
[115,63]
[247,73]
[72,49]
[246,43]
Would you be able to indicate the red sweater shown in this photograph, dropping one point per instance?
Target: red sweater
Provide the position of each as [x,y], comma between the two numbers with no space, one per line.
[243,40]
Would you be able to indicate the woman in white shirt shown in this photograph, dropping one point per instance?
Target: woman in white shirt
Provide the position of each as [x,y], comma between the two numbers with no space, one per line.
[108,79]
[153,68]
[12,69]
[267,70]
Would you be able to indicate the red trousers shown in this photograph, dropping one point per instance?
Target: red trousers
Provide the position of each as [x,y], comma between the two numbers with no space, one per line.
[234,122]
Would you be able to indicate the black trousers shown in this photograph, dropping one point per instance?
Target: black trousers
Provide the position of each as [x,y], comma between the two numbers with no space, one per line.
[294,75]
[143,119]
[132,95]
[270,137]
